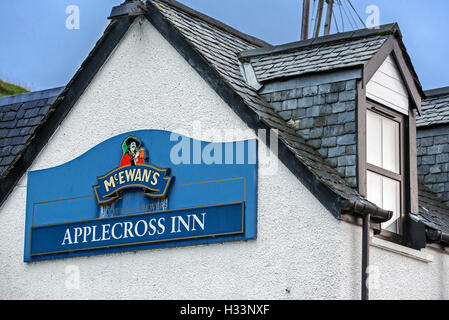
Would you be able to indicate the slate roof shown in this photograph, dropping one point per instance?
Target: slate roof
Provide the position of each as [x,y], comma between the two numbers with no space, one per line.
[435,108]
[432,212]
[342,50]
[222,50]
[435,111]
[20,115]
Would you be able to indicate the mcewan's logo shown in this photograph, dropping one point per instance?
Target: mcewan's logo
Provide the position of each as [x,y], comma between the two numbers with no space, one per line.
[132,173]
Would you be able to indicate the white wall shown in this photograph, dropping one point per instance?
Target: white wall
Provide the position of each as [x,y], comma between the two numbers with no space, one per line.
[301,251]
[395,275]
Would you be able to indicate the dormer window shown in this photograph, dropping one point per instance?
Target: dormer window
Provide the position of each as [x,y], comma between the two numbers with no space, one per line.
[354,100]
[384,167]
[387,162]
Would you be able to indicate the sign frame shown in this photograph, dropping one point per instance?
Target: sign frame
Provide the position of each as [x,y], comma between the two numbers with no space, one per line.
[242,188]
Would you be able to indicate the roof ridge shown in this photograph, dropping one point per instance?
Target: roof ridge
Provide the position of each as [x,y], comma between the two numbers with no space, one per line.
[432,93]
[29,96]
[386,29]
[215,22]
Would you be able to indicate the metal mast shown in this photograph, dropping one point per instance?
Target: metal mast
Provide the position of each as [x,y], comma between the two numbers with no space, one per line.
[305,20]
[327,24]
[319,16]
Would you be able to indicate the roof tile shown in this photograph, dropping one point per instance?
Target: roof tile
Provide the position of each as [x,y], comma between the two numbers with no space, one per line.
[324,56]
[18,122]
[435,108]
[432,212]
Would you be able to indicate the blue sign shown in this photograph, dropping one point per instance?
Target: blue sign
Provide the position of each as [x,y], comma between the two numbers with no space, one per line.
[141,190]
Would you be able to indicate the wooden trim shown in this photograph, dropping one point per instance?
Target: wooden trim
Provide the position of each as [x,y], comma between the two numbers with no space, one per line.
[399,118]
[408,158]
[378,59]
[405,188]
[391,236]
[384,172]
[384,111]
[403,159]
[407,76]
[361,137]
[391,46]
[412,175]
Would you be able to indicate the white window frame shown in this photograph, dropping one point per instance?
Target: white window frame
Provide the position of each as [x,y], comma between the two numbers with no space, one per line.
[398,176]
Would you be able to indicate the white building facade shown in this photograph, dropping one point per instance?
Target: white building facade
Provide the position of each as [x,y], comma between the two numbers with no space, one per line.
[302,251]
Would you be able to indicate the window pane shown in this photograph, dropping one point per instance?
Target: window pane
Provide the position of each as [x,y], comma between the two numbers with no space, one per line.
[374,188]
[382,142]
[390,145]
[374,139]
[385,193]
[391,201]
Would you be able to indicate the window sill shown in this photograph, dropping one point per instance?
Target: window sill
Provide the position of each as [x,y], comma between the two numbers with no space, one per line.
[399,249]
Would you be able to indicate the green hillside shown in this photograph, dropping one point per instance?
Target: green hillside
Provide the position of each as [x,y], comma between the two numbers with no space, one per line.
[8,89]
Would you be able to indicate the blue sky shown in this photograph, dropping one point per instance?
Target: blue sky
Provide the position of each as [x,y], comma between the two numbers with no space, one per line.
[39,52]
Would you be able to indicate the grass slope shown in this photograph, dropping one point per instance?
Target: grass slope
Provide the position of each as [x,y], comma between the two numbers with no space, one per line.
[8,89]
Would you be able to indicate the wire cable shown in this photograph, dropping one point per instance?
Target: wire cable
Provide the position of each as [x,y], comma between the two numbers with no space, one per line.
[350,14]
[336,25]
[341,15]
[363,23]
[346,14]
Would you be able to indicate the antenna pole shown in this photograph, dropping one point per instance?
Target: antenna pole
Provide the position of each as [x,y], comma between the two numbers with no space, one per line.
[305,19]
[319,13]
[327,24]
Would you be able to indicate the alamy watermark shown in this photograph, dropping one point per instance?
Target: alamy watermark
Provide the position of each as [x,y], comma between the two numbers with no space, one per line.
[72,22]
[373,279]
[373,19]
[72,280]
[184,152]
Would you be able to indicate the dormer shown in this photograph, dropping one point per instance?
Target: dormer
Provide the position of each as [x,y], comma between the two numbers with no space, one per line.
[353,97]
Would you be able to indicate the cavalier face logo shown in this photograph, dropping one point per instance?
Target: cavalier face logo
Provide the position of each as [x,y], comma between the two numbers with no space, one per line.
[133,152]
[133,173]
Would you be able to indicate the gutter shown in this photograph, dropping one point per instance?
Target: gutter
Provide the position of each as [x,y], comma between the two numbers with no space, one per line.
[369,212]
[431,232]
[445,237]
[437,236]
[378,215]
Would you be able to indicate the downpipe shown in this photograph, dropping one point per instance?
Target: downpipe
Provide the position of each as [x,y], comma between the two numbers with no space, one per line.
[365,256]
[368,211]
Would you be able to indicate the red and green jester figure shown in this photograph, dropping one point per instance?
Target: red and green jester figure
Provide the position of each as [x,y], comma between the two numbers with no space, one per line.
[133,152]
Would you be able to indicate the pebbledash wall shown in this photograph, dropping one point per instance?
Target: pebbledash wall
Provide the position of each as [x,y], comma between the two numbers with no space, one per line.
[301,251]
